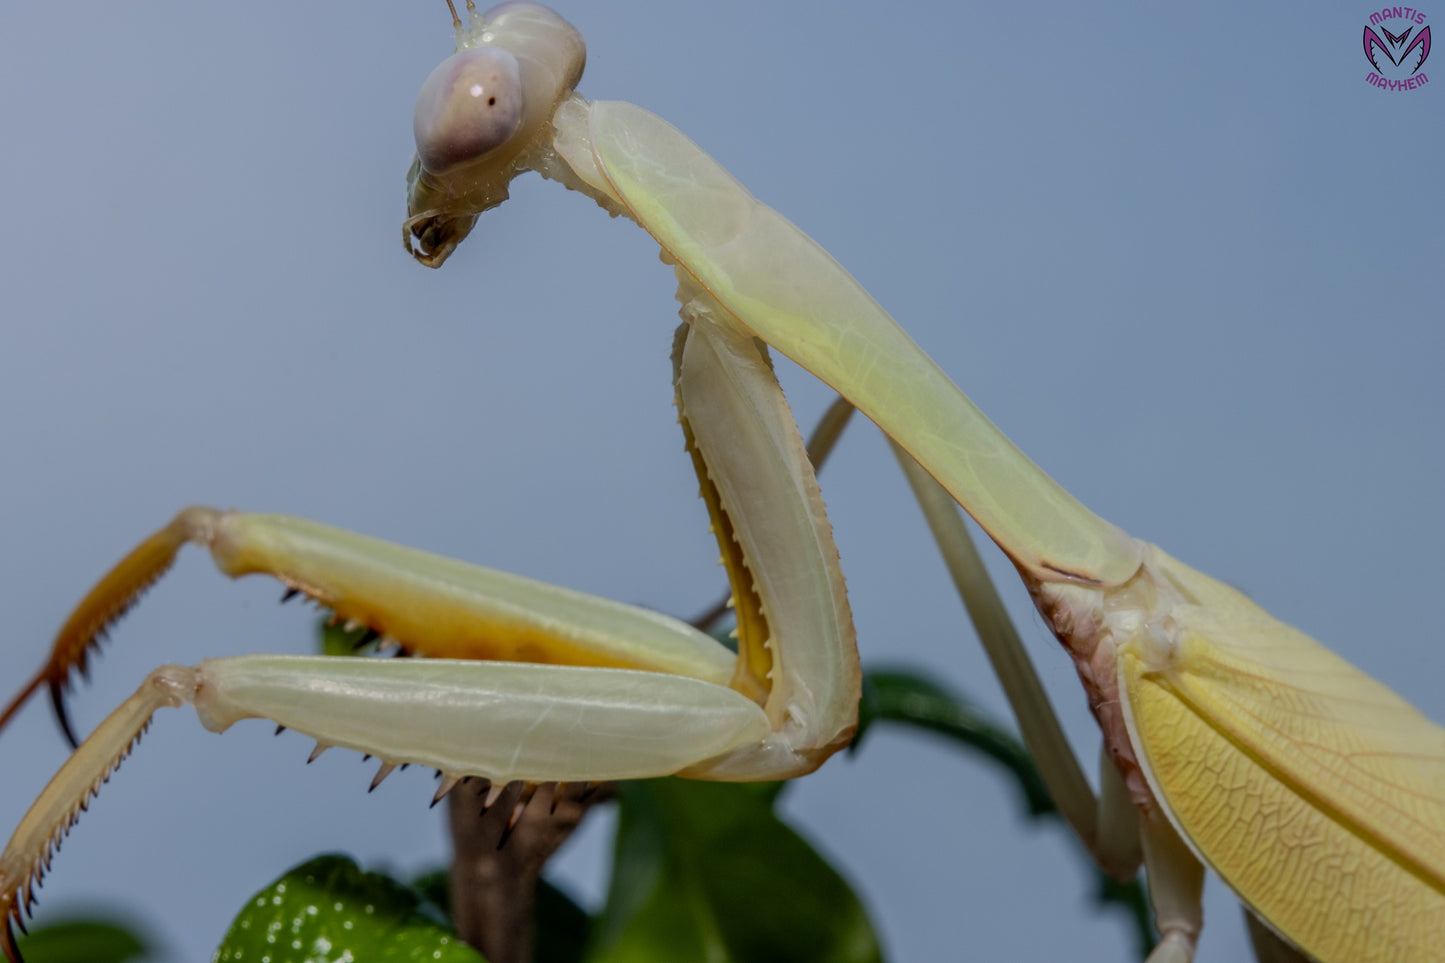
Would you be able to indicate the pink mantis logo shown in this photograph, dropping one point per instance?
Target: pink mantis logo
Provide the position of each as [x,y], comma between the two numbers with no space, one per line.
[1398,57]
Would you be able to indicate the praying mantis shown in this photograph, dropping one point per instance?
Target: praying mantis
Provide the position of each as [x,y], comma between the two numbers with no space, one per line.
[854,577]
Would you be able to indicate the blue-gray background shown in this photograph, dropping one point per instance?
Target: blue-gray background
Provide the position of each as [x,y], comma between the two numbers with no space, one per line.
[1188,259]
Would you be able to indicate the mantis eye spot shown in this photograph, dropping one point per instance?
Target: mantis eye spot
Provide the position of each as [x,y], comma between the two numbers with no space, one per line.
[469,106]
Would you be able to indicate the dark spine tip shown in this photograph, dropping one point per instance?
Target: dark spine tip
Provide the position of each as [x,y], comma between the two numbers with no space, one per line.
[62,717]
[12,952]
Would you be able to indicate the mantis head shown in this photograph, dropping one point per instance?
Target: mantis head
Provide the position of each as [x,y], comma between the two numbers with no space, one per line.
[480,116]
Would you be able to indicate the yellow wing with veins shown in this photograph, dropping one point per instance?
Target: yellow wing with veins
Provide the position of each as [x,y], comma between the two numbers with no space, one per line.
[1313,790]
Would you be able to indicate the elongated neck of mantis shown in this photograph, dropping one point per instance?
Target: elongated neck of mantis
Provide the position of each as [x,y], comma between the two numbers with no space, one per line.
[778,283]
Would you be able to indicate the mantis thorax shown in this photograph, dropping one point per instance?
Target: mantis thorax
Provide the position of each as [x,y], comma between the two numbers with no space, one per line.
[1095,624]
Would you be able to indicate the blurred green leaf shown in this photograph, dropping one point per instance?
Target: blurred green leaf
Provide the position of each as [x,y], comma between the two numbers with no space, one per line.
[82,941]
[561,926]
[707,872]
[327,909]
[435,889]
[336,640]
[912,698]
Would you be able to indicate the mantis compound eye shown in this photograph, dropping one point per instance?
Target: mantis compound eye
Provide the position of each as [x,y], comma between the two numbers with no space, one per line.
[468,107]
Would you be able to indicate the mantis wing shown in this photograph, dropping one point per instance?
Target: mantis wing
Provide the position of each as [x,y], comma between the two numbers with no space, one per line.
[1313,790]
[789,292]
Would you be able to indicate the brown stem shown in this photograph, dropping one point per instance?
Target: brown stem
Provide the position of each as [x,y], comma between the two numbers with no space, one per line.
[495,872]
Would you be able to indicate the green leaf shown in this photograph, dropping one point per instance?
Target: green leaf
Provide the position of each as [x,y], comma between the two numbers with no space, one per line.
[912,698]
[335,640]
[82,941]
[561,926]
[905,696]
[435,889]
[327,910]
[707,872]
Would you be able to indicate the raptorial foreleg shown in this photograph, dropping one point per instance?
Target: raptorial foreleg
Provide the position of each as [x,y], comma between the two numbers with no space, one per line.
[503,722]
